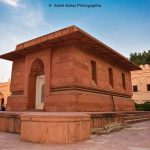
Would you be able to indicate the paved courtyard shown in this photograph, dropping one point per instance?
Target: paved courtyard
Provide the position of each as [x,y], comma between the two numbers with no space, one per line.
[137,137]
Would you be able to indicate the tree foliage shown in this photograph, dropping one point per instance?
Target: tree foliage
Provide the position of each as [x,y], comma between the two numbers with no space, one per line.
[140,58]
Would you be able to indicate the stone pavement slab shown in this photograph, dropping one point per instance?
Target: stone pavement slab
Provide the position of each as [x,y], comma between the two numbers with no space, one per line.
[137,137]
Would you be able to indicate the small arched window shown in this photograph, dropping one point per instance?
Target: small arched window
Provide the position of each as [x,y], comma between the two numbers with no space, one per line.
[1,95]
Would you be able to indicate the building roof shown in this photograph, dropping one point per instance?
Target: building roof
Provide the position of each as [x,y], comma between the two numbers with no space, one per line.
[66,34]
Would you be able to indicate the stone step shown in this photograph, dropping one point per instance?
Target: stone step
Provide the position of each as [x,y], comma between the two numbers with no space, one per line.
[133,117]
[136,114]
[35,110]
[137,120]
[136,117]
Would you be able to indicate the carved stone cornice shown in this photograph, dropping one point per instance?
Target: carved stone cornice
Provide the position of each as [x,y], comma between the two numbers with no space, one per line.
[55,117]
[19,92]
[77,87]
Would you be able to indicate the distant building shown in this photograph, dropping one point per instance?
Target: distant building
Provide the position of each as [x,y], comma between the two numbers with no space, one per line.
[141,84]
[5,91]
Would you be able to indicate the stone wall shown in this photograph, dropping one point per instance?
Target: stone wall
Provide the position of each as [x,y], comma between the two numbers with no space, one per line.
[21,83]
[62,67]
[83,73]
[17,78]
[72,87]
[141,78]
[10,122]
[69,85]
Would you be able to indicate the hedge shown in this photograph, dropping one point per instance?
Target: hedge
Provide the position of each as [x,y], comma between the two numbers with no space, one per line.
[143,107]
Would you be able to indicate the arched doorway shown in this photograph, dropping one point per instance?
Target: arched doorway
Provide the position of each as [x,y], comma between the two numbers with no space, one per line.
[36,85]
[1,96]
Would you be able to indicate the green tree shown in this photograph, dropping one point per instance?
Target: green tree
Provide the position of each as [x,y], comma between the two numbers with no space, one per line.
[140,58]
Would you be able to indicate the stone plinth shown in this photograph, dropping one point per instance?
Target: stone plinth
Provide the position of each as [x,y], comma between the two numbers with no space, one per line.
[55,127]
[10,122]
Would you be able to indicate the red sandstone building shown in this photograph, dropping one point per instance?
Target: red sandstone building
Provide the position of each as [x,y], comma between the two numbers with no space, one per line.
[69,70]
